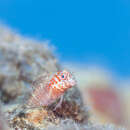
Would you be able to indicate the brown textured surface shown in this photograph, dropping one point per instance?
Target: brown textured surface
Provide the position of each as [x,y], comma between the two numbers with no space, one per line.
[43,117]
[71,110]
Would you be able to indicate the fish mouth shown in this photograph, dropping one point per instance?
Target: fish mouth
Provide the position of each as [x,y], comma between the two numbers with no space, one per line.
[72,82]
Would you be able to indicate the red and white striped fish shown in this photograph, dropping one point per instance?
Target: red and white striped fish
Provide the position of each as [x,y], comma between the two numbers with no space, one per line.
[54,89]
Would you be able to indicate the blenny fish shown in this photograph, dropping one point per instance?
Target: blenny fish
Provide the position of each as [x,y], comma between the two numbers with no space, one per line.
[44,95]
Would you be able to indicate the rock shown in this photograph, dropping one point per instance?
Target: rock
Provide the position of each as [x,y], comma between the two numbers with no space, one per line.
[22,61]
[36,118]
[42,117]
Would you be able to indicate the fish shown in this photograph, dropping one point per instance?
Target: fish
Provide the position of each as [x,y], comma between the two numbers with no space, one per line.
[46,94]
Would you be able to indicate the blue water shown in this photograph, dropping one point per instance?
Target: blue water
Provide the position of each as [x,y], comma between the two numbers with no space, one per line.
[96,31]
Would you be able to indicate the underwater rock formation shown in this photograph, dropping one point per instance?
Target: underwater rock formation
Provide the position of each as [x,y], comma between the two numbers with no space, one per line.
[22,61]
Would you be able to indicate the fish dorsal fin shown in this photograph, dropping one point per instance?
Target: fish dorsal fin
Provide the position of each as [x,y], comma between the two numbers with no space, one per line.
[42,80]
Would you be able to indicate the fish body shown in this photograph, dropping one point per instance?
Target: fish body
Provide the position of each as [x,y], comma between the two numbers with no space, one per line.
[54,89]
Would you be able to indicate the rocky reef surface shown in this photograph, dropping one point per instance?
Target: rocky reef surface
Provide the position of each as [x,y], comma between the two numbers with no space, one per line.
[22,60]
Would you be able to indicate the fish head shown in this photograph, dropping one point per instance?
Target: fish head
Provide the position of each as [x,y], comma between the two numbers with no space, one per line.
[68,78]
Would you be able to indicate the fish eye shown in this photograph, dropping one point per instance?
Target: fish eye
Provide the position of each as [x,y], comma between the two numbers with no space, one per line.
[63,76]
